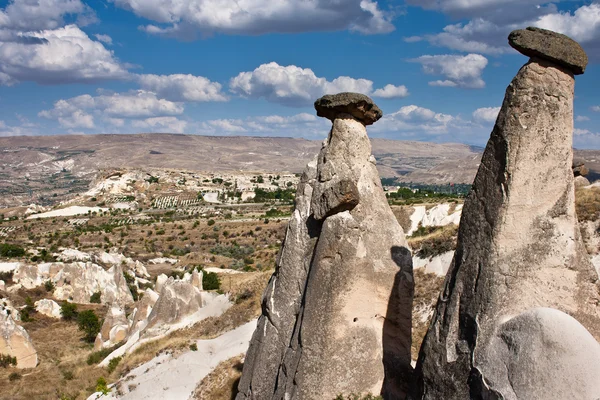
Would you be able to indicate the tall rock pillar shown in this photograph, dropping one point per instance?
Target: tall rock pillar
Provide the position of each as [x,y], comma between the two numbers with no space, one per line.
[337,312]
[501,329]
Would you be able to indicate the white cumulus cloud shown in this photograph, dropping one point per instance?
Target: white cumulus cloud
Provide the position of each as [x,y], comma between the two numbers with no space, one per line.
[302,125]
[61,55]
[492,20]
[391,92]
[297,87]
[78,112]
[462,71]
[486,114]
[180,87]
[415,119]
[187,18]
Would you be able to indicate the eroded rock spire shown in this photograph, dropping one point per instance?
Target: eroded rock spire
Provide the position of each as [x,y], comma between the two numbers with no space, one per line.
[337,312]
[501,329]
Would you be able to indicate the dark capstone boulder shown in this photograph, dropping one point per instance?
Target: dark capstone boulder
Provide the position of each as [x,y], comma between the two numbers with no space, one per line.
[551,46]
[358,105]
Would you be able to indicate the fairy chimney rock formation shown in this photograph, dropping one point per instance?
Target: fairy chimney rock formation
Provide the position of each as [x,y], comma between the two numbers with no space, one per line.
[337,311]
[519,249]
[548,45]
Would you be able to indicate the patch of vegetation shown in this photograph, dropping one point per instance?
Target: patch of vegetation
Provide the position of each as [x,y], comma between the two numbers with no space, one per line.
[27,311]
[102,386]
[68,375]
[96,298]
[587,204]
[152,179]
[262,195]
[49,286]
[11,250]
[112,364]
[89,324]
[233,251]
[6,361]
[68,311]
[210,281]
[438,243]
[193,347]
[15,376]
[44,256]
[100,355]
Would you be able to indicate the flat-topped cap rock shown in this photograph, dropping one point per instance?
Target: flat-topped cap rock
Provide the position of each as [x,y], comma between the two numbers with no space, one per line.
[549,45]
[361,107]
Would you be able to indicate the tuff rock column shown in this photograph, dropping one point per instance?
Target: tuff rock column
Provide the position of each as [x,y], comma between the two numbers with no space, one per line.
[337,312]
[501,329]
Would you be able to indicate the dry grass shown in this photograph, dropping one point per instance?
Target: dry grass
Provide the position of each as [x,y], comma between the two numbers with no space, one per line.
[402,214]
[439,241]
[427,290]
[61,352]
[587,203]
[222,382]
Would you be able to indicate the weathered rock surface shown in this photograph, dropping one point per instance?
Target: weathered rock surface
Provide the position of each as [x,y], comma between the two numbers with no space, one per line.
[542,353]
[79,281]
[357,105]
[337,312]
[551,46]
[579,168]
[114,329]
[15,342]
[49,308]
[519,244]
[76,281]
[581,181]
[178,299]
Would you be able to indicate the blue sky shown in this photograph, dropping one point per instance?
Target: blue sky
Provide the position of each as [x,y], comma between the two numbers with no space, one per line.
[437,68]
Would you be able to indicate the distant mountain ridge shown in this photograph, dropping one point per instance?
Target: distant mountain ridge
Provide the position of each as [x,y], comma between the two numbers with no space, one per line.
[69,162]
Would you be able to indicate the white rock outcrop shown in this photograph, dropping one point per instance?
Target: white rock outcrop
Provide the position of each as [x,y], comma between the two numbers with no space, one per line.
[15,342]
[76,281]
[49,308]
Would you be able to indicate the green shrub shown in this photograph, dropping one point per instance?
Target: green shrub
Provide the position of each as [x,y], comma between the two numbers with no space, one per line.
[49,286]
[97,356]
[27,311]
[15,376]
[211,222]
[112,364]
[68,375]
[210,281]
[89,324]
[68,311]
[193,347]
[7,361]
[11,250]
[102,386]
[96,298]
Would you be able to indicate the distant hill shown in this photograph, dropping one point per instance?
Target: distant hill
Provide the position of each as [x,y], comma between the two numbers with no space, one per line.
[57,165]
